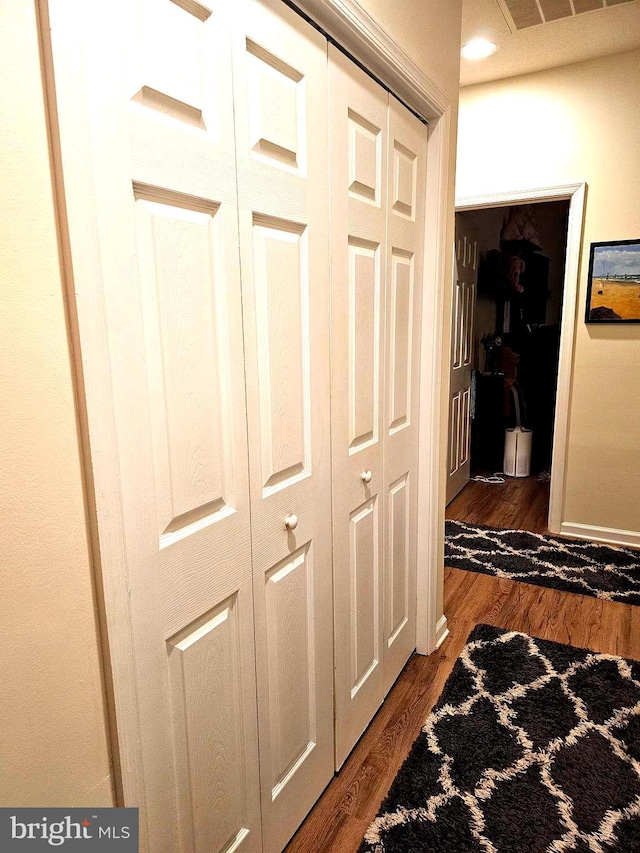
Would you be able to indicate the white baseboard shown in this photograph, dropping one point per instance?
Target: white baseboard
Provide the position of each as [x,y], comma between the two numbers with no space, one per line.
[442,632]
[601,534]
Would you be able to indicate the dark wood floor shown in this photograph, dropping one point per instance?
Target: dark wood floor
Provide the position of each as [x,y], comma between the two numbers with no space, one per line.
[351,801]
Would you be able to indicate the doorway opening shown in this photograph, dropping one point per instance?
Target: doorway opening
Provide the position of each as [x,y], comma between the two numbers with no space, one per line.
[508,313]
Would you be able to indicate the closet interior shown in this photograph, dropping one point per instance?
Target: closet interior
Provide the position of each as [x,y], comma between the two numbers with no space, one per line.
[506,319]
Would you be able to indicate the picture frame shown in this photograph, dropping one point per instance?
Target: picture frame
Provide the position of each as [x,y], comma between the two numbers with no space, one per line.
[613,293]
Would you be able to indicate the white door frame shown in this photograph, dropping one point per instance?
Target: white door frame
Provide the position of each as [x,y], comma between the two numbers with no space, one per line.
[575,194]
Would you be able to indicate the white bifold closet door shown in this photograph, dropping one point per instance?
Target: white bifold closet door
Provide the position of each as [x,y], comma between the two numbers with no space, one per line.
[197,209]
[280,77]
[378,160]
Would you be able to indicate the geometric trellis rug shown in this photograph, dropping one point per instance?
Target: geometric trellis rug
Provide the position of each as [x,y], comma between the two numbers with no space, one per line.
[533,747]
[588,568]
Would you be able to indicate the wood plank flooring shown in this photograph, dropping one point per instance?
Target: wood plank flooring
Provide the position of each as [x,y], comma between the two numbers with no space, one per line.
[351,801]
[519,503]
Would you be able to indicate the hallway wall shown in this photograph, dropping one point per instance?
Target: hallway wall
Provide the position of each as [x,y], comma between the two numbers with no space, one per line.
[429,32]
[565,125]
[53,738]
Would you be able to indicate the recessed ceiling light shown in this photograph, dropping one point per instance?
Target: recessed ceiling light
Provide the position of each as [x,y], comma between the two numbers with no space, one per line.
[478,49]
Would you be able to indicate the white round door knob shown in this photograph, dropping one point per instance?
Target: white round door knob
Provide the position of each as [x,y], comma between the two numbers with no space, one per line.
[291,522]
[366,476]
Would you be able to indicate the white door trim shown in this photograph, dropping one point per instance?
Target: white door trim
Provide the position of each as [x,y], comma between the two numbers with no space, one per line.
[575,193]
[610,535]
[431,625]
[359,34]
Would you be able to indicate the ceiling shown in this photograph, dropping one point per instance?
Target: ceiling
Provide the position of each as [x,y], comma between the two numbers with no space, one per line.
[602,32]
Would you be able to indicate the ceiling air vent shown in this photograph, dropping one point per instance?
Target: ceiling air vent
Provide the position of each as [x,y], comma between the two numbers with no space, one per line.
[521,14]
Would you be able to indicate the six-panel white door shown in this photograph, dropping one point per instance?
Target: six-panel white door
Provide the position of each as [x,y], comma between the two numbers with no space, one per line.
[405,241]
[280,76]
[358,140]
[144,100]
[462,322]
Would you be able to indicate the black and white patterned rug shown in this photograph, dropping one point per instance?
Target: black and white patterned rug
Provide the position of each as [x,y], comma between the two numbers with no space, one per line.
[588,568]
[533,747]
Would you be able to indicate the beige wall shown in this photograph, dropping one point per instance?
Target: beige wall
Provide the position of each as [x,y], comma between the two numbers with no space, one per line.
[577,123]
[53,744]
[429,32]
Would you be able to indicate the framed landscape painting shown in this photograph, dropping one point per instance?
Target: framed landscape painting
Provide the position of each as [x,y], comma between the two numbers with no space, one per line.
[614,282]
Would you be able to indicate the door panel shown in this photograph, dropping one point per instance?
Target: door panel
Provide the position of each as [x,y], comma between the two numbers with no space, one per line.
[205,661]
[358,117]
[462,323]
[405,226]
[178,266]
[364,285]
[365,590]
[364,155]
[401,343]
[281,136]
[290,646]
[281,302]
[185,89]
[148,166]
[399,555]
